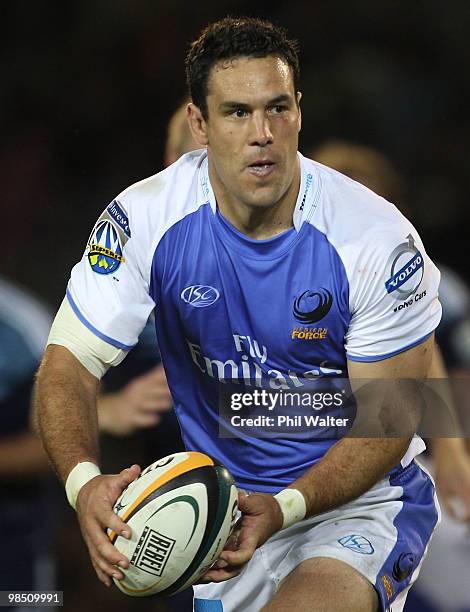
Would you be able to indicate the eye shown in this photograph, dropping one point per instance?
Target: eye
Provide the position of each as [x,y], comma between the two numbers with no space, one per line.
[239,112]
[278,109]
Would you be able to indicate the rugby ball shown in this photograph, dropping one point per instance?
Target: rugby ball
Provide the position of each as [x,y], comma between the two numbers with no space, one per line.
[181,511]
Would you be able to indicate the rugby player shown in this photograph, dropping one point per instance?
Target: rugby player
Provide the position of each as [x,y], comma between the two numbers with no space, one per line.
[233,245]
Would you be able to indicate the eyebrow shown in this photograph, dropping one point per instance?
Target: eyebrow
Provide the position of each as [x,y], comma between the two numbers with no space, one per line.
[233,104]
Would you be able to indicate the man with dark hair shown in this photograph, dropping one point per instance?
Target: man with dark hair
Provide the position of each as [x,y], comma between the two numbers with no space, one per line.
[229,39]
[269,269]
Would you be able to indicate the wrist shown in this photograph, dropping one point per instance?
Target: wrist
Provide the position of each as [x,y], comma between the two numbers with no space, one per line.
[293,506]
[82,473]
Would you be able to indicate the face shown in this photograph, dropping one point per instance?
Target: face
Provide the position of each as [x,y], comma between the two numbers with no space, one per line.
[252,130]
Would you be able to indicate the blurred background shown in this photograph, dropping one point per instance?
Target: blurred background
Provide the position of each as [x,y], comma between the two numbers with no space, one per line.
[87,90]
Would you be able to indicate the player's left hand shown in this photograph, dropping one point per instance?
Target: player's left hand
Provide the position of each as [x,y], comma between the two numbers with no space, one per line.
[261,518]
[453,483]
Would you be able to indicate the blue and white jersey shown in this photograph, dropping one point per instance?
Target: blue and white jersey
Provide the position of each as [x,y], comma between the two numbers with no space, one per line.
[350,279]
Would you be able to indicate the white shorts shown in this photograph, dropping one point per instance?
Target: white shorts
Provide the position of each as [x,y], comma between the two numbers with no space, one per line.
[383,534]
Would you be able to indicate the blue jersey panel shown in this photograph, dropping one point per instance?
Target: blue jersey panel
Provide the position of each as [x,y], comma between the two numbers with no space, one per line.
[231,308]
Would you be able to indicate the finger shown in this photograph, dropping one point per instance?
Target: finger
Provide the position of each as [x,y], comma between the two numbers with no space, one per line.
[128,475]
[101,547]
[107,569]
[146,419]
[232,542]
[220,575]
[102,577]
[238,557]
[117,525]
[242,496]
[246,549]
[154,404]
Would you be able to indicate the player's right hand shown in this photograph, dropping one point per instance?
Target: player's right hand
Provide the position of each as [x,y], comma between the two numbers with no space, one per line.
[95,503]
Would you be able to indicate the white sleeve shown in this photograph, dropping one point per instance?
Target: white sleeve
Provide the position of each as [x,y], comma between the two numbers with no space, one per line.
[109,287]
[94,354]
[393,293]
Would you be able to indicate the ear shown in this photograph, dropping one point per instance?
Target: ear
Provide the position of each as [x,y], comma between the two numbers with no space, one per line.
[299,97]
[197,124]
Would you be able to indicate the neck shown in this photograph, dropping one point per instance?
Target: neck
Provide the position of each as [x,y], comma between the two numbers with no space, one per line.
[255,221]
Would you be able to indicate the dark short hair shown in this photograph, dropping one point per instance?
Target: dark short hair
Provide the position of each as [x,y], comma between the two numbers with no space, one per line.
[231,38]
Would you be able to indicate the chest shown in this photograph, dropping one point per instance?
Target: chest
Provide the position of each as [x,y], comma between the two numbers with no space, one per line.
[283,313]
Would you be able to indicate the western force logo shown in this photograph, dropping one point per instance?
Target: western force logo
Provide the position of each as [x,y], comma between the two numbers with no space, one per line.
[105,248]
[308,333]
[312,306]
[200,296]
[358,544]
[406,265]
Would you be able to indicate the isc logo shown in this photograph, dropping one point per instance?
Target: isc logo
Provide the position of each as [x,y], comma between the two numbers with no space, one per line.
[200,296]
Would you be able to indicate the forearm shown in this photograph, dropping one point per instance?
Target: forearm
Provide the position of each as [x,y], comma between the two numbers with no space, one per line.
[349,469]
[66,410]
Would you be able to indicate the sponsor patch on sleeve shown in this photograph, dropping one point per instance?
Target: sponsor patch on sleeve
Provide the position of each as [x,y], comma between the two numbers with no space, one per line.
[107,240]
[406,266]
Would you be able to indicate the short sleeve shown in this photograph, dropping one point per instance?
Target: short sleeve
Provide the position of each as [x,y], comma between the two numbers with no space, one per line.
[109,288]
[393,293]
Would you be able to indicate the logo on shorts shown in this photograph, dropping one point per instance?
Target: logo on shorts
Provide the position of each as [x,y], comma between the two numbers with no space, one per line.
[387,586]
[403,566]
[105,248]
[312,306]
[358,544]
[200,296]
[406,265]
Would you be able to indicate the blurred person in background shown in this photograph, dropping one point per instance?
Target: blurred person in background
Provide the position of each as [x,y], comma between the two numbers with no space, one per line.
[31,509]
[443,585]
[26,510]
[179,138]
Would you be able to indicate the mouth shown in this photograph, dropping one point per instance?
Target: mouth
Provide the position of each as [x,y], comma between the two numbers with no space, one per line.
[261,168]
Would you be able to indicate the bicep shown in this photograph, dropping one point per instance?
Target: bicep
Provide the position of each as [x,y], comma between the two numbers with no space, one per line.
[389,393]
[412,363]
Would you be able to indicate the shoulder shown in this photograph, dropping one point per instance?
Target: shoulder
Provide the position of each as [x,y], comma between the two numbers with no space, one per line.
[146,210]
[351,215]
[173,191]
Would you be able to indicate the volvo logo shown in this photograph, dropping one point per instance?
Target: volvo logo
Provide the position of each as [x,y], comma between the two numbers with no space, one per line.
[200,296]
[406,265]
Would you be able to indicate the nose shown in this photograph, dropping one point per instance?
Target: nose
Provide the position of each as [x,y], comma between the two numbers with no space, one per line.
[260,134]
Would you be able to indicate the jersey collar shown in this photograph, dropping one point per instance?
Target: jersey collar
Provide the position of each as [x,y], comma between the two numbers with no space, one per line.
[306,199]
